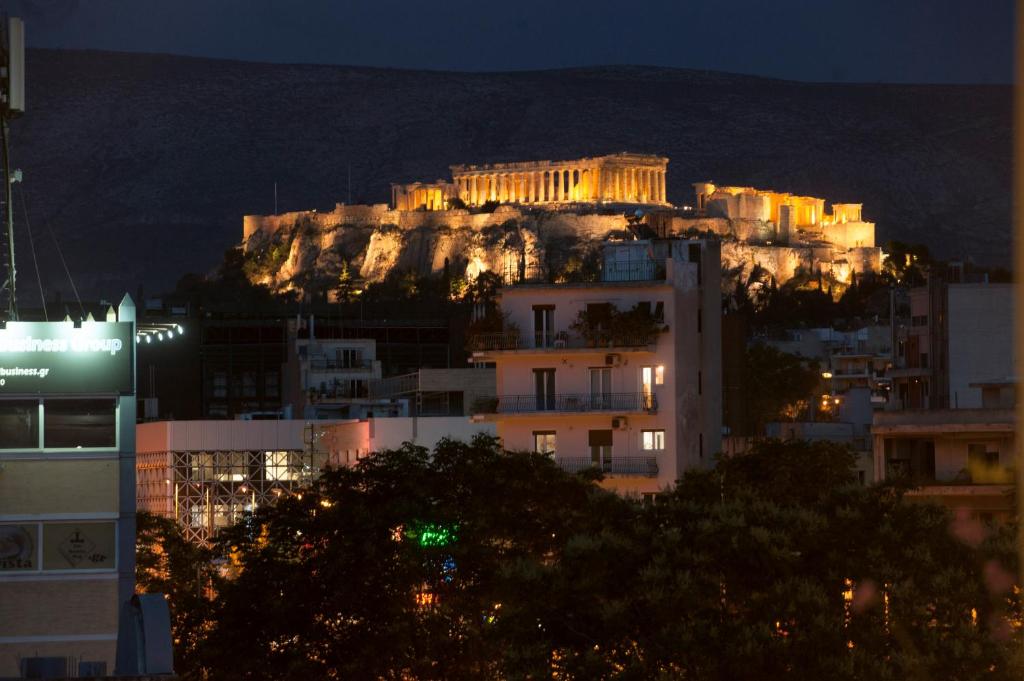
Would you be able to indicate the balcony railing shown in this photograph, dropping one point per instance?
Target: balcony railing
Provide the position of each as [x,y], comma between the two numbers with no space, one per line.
[567,403]
[501,340]
[646,466]
[324,364]
[512,340]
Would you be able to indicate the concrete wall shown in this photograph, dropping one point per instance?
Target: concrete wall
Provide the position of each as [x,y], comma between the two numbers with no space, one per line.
[176,436]
[980,339]
[77,486]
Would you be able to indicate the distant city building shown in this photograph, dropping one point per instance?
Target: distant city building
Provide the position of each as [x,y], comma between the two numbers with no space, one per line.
[620,371]
[960,458]
[958,335]
[950,427]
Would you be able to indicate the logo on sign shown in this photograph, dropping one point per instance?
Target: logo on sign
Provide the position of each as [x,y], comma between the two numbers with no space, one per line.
[77,549]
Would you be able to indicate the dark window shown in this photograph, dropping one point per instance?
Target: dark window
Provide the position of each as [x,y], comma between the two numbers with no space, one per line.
[19,423]
[220,384]
[271,384]
[694,254]
[659,311]
[924,360]
[79,423]
[543,326]
[544,389]
[600,448]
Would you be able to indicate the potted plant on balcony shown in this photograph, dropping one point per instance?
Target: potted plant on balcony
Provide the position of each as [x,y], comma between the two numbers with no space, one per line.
[593,323]
[636,326]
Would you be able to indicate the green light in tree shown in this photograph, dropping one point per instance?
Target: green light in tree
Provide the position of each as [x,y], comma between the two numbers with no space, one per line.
[432,534]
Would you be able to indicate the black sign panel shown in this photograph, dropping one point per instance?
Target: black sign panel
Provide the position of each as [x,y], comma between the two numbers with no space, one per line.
[38,358]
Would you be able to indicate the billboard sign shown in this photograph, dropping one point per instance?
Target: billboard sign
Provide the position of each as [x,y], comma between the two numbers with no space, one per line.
[40,358]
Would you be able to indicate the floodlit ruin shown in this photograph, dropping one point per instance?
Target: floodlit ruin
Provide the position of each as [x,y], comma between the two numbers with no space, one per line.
[552,215]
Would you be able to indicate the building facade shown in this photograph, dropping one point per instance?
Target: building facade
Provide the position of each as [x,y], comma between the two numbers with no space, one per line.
[67,492]
[958,336]
[640,400]
[949,427]
[960,458]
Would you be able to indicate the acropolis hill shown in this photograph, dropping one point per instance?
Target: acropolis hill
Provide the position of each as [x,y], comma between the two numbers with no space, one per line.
[552,215]
[142,164]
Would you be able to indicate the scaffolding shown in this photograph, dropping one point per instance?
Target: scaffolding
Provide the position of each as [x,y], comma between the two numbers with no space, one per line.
[204,491]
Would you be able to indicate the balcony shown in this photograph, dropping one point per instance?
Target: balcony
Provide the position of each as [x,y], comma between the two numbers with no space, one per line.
[645,466]
[513,341]
[324,364]
[575,403]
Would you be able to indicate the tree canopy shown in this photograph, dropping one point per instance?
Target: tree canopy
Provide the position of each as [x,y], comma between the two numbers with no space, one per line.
[471,562]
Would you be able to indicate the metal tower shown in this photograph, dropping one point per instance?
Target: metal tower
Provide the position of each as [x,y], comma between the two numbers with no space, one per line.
[12,104]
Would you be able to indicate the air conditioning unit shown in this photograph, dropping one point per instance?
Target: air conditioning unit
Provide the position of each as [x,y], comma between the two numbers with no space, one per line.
[620,423]
[613,360]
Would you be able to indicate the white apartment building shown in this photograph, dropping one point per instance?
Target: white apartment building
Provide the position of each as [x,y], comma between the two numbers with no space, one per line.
[622,373]
[329,377]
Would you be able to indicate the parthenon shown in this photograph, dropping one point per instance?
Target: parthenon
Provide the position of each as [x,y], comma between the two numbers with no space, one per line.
[619,178]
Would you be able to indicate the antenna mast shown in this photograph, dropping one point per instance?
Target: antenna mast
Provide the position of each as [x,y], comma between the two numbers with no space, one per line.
[12,104]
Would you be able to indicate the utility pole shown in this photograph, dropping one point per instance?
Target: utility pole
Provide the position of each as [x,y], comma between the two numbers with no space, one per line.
[12,104]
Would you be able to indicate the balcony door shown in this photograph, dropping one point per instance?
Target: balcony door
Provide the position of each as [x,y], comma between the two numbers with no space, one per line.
[544,389]
[601,449]
[543,326]
[647,386]
[601,388]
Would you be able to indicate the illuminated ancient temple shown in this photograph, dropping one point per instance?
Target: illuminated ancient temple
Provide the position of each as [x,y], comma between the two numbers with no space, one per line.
[618,178]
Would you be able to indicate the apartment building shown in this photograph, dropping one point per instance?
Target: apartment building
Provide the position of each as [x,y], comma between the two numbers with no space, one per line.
[620,371]
[950,427]
[959,334]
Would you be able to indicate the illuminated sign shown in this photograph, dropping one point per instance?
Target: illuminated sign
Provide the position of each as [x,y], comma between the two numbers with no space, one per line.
[56,357]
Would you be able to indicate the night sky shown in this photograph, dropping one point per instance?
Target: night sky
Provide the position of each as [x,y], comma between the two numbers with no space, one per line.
[936,41]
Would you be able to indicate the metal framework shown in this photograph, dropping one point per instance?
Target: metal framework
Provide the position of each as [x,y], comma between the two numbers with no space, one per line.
[206,491]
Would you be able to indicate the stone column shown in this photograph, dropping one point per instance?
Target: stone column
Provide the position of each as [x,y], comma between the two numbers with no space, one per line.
[661,182]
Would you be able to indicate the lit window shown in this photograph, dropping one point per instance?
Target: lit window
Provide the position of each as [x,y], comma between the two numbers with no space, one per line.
[652,440]
[659,375]
[282,465]
[544,441]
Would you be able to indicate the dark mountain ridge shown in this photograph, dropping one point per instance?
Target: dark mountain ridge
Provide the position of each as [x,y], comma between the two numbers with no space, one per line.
[143,165]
